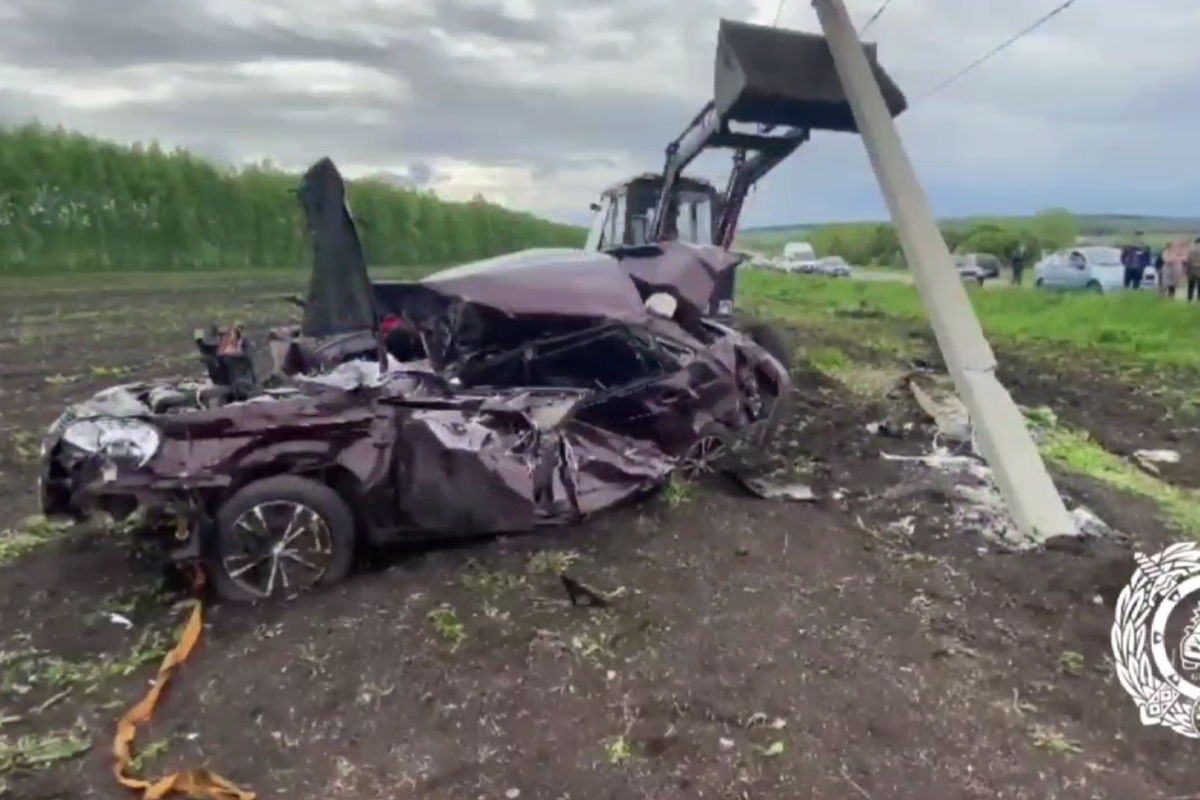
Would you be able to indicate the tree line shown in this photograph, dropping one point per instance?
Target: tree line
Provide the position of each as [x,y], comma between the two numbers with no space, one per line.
[877,243]
[73,203]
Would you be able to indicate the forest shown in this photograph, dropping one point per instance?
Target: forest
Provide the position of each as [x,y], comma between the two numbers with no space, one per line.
[73,203]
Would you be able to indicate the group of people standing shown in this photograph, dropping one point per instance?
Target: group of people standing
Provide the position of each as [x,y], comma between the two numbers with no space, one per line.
[1176,264]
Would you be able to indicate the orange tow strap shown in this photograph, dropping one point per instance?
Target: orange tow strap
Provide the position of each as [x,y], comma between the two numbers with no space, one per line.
[197,784]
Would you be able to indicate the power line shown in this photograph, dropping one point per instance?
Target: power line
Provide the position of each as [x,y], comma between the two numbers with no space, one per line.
[778,13]
[993,52]
[874,17]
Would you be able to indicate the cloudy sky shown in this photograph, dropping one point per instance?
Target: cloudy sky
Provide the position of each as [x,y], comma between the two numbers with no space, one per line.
[538,103]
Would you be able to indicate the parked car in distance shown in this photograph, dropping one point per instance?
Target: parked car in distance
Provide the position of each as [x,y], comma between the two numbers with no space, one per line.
[1092,269]
[832,267]
[975,265]
[970,273]
[800,265]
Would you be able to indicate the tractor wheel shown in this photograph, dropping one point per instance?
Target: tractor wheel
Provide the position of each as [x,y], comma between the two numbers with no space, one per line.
[769,338]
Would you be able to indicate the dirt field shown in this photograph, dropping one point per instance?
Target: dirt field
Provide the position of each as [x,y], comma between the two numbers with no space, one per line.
[864,645]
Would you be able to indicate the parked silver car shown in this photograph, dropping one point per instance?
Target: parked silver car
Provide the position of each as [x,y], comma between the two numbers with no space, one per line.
[1091,269]
[978,264]
[831,267]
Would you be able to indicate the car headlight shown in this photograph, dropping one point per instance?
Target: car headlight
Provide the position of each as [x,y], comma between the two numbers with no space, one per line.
[122,440]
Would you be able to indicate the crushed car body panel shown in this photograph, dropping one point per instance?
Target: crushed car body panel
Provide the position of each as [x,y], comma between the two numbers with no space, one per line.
[529,390]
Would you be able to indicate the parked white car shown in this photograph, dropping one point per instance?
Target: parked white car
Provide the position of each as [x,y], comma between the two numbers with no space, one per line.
[1090,269]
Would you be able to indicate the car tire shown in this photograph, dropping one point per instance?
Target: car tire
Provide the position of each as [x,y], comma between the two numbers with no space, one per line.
[1039,283]
[1095,287]
[329,526]
[980,280]
[769,338]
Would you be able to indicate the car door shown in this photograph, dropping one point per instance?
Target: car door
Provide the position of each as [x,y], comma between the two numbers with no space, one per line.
[1049,272]
[1075,274]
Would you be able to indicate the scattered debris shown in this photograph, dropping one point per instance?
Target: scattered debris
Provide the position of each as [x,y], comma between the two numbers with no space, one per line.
[1158,456]
[120,619]
[766,489]
[980,507]
[1150,459]
[938,400]
[889,429]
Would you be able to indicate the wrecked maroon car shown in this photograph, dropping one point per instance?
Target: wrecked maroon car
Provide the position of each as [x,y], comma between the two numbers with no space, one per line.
[529,390]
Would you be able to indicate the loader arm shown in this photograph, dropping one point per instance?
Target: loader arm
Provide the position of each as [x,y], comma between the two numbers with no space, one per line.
[769,78]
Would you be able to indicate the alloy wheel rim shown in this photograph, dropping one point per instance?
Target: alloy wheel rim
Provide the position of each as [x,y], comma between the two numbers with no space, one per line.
[278,547]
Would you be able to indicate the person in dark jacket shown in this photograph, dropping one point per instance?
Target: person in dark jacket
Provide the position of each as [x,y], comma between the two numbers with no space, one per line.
[1019,260]
[1136,257]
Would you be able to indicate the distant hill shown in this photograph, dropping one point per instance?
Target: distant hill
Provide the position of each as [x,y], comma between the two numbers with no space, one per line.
[1089,224]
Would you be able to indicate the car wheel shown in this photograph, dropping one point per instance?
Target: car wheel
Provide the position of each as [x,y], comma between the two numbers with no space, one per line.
[980,280]
[280,536]
[1095,287]
[770,339]
[702,458]
[1039,283]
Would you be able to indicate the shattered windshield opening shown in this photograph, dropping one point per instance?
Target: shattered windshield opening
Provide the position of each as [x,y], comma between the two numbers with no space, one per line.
[599,358]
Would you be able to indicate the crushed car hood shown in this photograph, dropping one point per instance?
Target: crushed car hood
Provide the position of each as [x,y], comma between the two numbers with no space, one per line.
[545,282]
[689,272]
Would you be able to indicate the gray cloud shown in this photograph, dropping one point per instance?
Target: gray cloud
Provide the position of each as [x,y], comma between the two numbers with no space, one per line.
[571,92]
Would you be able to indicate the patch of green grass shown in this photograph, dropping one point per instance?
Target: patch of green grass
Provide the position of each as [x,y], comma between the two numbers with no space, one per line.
[1071,662]
[32,752]
[552,562]
[31,534]
[829,360]
[482,579]
[448,626]
[30,670]
[678,492]
[1136,328]
[617,750]
[1053,741]
[1076,452]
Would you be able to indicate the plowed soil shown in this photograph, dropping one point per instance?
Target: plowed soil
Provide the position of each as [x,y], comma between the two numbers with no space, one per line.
[752,648]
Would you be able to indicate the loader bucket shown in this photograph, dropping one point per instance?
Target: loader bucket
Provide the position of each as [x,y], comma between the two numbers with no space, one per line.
[773,76]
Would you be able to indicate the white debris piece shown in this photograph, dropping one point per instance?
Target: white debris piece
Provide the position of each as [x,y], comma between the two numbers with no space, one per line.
[1150,459]
[1158,456]
[979,506]
[355,374]
[945,409]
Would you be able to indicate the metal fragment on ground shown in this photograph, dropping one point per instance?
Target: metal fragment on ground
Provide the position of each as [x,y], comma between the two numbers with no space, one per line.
[1150,459]
[769,490]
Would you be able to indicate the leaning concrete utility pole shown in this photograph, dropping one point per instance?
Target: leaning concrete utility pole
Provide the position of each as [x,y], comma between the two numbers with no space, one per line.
[1000,429]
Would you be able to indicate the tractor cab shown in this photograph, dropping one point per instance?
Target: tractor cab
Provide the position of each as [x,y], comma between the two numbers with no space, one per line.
[626,213]
[771,88]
